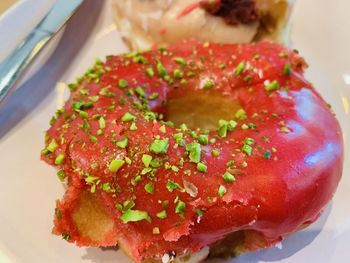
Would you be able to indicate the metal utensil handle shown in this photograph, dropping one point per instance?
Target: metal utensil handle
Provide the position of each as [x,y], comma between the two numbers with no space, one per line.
[12,68]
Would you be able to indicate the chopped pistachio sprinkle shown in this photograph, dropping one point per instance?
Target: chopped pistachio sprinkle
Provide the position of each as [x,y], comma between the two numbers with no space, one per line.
[241,115]
[271,86]
[115,165]
[52,146]
[146,159]
[171,186]
[229,178]
[159,146]
[208,84]
[61,175]
[203,139]
[149,188]
[222,191]
[122,83]
[180,61]
[150,72]
[161,70]
[128,117]
[199,212]
[162,214]
[247,149]
[287,70]
[215,152]
[135,216]
[194,150]
[102,123]
[201,167]
[180,207]
[59,159]
[122,143]
[240,68]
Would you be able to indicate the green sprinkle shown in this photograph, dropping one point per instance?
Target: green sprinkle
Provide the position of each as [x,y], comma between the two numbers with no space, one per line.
[128,117]
[93,139]
[58,213]
[180,61]
[244,126]
[272,86]
[73,86]
[66,236]
[149,188]
[133,127]
[267,155]
[61,175]
[122,83]
[171,186]
[180,207]
[194,149]
[201,167]
[249,141]
[119,206]
[199,212]
[230,163]
[241,115]
[161,70]
[115,165]
[208,84]
[247,149]
[146,159]
[159,146]
[162,129]
[203,139]
[178,74]
[52,146]
[128,160]
[123,143]
[239,69]
[223,127]
[59,159]
[139,90]
[162,215]
[150,72]
[179,138]
[222,191]
[287,70]
[83,114]
[174,168]
[229,178]
[146,170]
[183,127]
[102,123]
[135,216]
[128,204]
[215,152]
[153,96]
[136,179]
[106,187]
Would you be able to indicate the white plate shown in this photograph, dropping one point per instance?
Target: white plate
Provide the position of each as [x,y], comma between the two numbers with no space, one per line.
[29,187]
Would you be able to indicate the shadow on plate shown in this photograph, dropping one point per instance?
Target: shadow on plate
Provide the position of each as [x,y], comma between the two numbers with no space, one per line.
[25,99]
[290,246]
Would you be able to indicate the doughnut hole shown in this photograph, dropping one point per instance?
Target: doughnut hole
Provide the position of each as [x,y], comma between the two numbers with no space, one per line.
[201,109]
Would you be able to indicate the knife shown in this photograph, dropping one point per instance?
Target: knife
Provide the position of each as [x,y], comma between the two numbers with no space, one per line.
[13,67]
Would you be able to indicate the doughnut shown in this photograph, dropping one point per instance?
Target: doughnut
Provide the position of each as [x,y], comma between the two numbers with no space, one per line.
[144,23]
[195,150]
